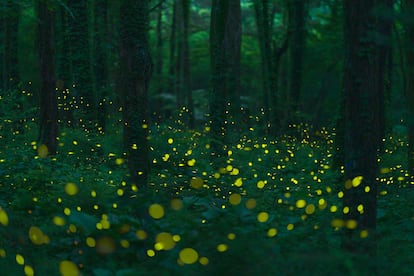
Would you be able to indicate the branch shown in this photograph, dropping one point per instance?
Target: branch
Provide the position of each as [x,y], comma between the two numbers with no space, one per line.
[156,6]
[66,8]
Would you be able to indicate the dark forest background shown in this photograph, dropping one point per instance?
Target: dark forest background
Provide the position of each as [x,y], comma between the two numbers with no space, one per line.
[206,137]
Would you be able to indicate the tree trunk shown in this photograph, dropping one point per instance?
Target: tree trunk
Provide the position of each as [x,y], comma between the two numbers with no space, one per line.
[225,43]
[173,55]
[297,34]
[186,78]
[409,86]
[48,101]
[159,64]
[11,27]
[363,87]
[135,74]
[80,59]
[101,62]
[385,18]
[2,47]
[263,22]
[63,69]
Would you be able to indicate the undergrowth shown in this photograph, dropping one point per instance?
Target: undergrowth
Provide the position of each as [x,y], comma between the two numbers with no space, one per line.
[268,209]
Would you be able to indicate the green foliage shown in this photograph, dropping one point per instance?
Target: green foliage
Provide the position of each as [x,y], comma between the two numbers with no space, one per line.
[269,209]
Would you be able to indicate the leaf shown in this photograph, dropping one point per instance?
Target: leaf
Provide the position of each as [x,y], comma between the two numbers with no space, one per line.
[85,221]
[102,272]
[128,272]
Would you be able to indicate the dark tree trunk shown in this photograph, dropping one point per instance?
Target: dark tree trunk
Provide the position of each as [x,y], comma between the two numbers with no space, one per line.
[363,90]
[135,74]
[263,22]
[10,28]
[185,58]
[2,47]
[80,59]
[159,65]
[276,114]
[173,56]
[297,35]
[385,18]
[409,85]
[180,60]
[179,69]
[225,43]
[48,100]
[63,68]
[101,62]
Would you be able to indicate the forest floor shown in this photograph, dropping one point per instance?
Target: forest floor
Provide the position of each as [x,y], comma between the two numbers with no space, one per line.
[272,208]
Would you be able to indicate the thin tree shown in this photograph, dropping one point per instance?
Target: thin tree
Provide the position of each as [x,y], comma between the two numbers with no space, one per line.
[173,63]
[135,73]
[48,125]
[159,64]
[184,54]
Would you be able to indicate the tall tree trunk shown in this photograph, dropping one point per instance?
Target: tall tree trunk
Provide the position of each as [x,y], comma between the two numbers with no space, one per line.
[385,18]
[297,34]
[186,78]
[276,114]
[172,71]
[232,45]
[225,43]
[409,86]
[48,101]
[63,69]
[159,64]
[2,46]
[180,60]
[81,66]
[101,62]
[11,28]
[135,74]
[179,69]
[219,91]
[363,87]
[263,22]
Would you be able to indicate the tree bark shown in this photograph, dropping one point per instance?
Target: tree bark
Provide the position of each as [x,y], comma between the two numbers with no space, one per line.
[2,47]
[297,35]
[63,67]
[135,73]
[11,28]
[363,89]
[159,64]
[263,23]
[101,62]
[48,101]
[173,62]
[185,53]
[80,59]
[409,85]
[225,43]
